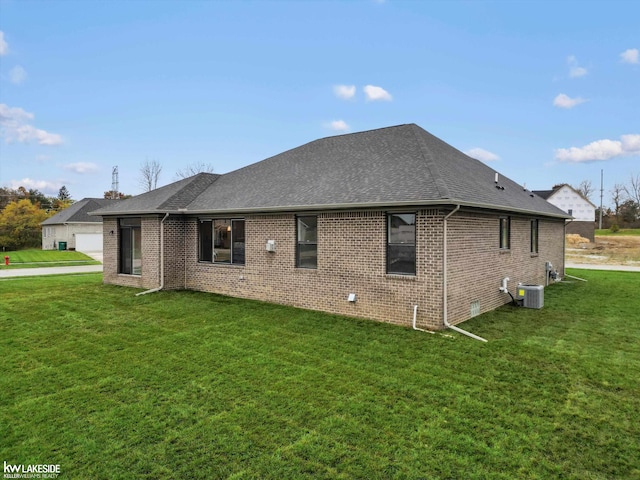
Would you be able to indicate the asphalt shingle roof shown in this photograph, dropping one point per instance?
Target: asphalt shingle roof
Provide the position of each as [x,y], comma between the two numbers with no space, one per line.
[544,193]
[78,212]
[401,165]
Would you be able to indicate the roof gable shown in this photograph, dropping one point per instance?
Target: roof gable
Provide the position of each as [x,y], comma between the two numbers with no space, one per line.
[172,197]
[557,190]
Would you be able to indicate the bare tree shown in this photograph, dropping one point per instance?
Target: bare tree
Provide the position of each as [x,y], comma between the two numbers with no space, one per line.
[193,169]
[149,174]
[633,188]
[618,197]
[585,188]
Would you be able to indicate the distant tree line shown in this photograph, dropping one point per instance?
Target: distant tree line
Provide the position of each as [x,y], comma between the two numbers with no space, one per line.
[624,211]
[22,211]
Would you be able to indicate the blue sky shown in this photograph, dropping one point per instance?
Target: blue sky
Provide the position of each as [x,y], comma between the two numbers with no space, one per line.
[544,92]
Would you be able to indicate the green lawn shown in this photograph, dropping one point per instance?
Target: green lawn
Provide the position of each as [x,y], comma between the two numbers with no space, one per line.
[193,385]
[33,258]
[623,232]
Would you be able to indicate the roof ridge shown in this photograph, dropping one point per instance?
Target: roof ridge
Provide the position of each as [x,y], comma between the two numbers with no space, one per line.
[434,172]
[363,131]
[310,142]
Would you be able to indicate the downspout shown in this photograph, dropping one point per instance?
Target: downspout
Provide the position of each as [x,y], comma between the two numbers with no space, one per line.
[564,249]
[444,283]
[161,260]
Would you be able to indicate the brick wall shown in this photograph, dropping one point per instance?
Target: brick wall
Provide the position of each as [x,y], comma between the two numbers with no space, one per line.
[476,266]
[352,259]
[150,277]
[174,252]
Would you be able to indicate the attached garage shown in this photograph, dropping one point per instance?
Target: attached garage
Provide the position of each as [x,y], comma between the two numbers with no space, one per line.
[89,242]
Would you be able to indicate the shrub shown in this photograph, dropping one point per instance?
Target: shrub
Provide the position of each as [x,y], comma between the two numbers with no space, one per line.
[614,228]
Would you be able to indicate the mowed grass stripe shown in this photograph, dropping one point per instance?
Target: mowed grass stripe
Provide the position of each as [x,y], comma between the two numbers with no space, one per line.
[189,384]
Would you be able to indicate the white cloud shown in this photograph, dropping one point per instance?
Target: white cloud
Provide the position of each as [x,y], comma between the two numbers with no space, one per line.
[628,145]
[374,93]
[14,127]
[13,114]
[81,167]
[575,70]
[17,75]
[4,47]
[482,155]
[344,91]
[44,186]
[632,55]
[565,101]
[338,126]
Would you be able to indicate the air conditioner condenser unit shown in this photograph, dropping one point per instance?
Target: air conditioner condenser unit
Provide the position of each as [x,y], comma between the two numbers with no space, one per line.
[531,296]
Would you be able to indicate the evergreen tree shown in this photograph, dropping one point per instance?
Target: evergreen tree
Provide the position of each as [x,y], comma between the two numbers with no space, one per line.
[63,194]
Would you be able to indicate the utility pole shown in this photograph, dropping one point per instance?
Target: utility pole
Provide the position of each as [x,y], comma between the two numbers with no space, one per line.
[601,193]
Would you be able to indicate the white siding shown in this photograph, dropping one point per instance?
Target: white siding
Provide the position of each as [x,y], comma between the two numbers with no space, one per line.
[571,202]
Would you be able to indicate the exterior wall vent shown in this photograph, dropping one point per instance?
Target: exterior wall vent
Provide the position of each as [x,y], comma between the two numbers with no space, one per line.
[475,308]
[531,296]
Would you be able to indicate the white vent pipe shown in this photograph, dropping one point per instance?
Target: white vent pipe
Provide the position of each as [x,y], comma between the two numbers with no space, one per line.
[415,314]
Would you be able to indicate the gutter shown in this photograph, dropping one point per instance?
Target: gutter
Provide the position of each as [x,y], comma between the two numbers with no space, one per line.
[157,289]
[444,282]
[338,206]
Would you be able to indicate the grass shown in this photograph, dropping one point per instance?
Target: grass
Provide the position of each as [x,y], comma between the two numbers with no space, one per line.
[35,258]
[623,232]
[194,385]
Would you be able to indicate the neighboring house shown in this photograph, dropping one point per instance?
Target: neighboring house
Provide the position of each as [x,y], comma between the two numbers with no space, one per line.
[368,224]
[568,199]
[75,228]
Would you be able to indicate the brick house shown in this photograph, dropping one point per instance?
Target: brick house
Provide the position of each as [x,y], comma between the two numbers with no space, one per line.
[569,200]
[367,224]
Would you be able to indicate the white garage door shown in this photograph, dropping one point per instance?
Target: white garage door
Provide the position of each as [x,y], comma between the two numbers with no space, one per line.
[89,242]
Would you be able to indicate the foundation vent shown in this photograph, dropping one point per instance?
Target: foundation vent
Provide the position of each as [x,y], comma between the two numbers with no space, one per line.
[475,308]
